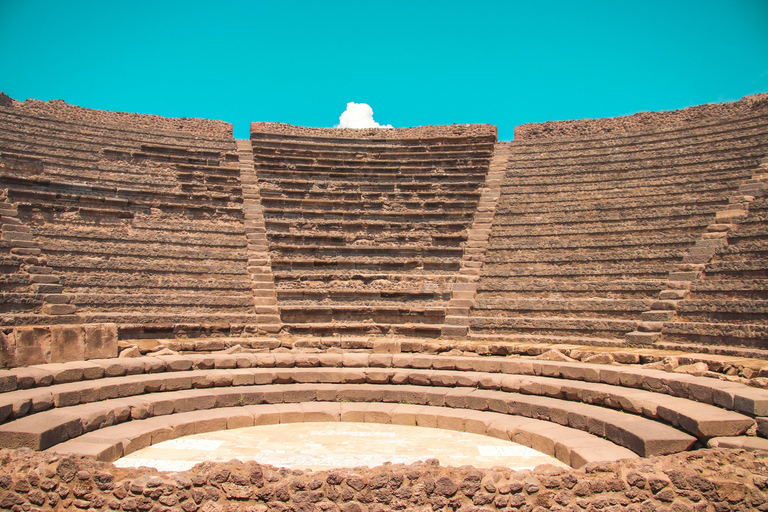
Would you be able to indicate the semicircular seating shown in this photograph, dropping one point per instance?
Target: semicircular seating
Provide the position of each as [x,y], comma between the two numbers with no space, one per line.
[109,408]
[129,233]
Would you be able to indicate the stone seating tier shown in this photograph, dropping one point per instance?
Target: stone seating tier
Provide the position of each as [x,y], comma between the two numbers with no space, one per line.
[654,194]
[364,226]
[80,397]
[182,187]
[54,132]
[746,140]
[608,289]
[728,302]
[92,155]
[626,176]
[401,178]
[652,124]
[78,116]
[129,222]
[403,207]
[687,226]
[361,286]
[335,141]
[466,155]
[291,186]
[570,446]
[338,238]
[401,202]
[435,134]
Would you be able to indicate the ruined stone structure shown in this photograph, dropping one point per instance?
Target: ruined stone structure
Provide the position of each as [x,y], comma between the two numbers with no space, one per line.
[595,290]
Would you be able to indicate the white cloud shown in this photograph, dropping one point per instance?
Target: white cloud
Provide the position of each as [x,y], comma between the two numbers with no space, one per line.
[358,115]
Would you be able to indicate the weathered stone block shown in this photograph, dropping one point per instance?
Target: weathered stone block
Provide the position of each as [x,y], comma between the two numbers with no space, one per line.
[386,347]
[33,345]
[7,348]
[100,341]
[67,343]
[58,309]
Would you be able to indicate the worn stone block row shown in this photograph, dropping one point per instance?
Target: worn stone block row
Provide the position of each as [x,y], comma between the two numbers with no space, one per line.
[583,161]
[615,308]
[727,395]
[339,149]
[47,428]
[703,421]
[26,346]
[636,178]
[647,125]
[572,447]
[697,130]
[606,164]
[77,118]
[295,185]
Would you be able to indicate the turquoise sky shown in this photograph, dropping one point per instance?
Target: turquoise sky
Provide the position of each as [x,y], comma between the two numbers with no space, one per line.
[415,63]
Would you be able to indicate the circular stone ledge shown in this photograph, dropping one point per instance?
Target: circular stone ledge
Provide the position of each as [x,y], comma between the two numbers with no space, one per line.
[570,446]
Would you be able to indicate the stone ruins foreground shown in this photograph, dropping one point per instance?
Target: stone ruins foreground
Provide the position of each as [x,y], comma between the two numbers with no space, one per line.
[595,290]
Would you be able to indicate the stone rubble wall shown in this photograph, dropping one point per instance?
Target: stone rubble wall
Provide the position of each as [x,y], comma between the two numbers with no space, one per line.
[75,114]
[416,132]
[643,121]
[722,480]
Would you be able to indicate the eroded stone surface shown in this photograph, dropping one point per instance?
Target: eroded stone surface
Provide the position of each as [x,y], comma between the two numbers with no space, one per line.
[703,480]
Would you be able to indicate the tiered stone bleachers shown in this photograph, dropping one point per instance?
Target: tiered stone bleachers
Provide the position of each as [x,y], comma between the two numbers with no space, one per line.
[646,230]
[366,229]
[587,229]
[727,301]
[138,219]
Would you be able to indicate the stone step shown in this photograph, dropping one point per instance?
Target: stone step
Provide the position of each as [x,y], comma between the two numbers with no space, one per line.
[550,325]
[570,446]
[362,327]
[615,308]
[47,428]
[621,143]
[727,395]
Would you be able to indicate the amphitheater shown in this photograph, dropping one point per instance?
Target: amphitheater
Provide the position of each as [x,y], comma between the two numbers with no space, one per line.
[595,290]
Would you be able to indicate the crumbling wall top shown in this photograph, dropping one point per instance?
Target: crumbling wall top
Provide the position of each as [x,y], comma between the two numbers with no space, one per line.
[129,120]
[6,101]
[416,132]
[643,121]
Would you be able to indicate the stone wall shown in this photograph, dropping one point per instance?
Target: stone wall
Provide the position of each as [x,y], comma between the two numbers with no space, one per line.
[644,121]
[74,114]
[41,344]
[416,132]
[705,480]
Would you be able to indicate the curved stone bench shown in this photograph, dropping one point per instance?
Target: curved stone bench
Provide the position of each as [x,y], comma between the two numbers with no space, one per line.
[701,420]
[570,446]
[45,429]
[728,395]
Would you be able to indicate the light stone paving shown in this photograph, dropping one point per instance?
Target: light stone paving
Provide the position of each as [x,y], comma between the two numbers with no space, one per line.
[320,446]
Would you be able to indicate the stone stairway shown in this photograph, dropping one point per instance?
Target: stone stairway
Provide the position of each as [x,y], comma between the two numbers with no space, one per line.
[695,261]
[464,291]
[259,266]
